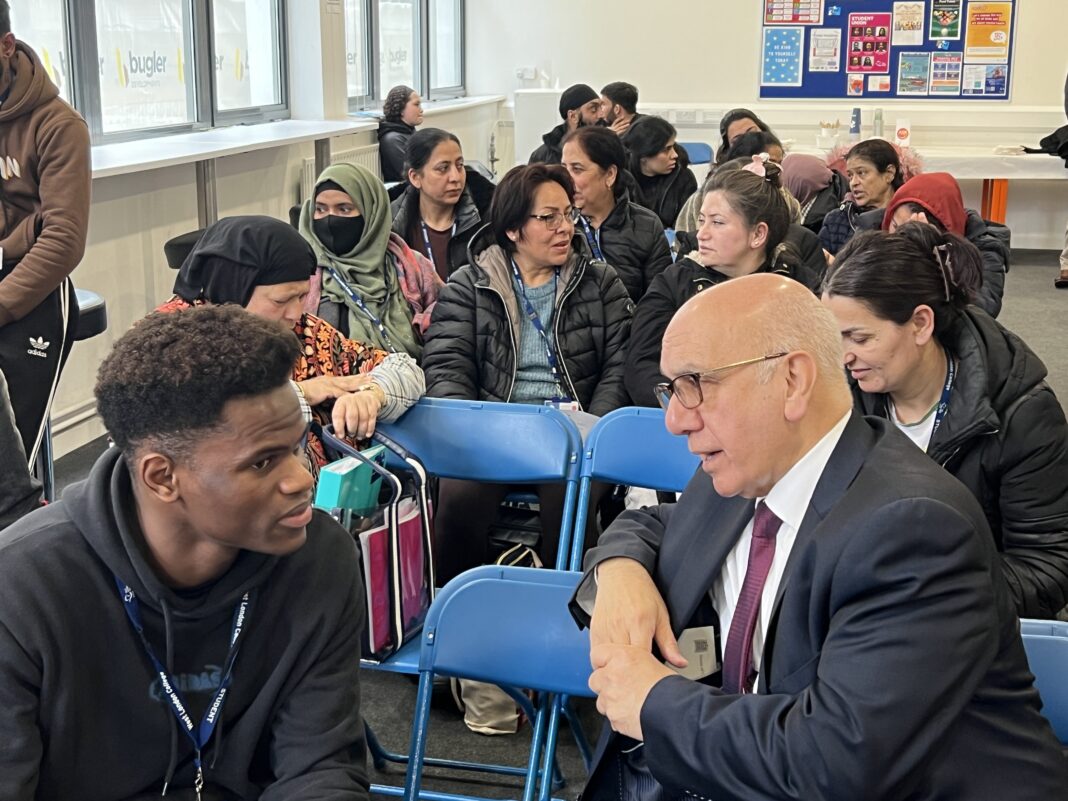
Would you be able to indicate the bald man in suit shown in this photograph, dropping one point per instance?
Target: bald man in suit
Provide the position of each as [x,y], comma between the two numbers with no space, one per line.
[864,643]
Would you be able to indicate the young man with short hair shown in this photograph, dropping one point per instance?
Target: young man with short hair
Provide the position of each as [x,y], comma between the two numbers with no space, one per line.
[45,179]
[619,107]
[183,617]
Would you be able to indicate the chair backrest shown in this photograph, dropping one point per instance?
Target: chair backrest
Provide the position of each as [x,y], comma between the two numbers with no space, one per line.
[1046,643]
[511,626]
[503,443]
[699,152]
[632,446]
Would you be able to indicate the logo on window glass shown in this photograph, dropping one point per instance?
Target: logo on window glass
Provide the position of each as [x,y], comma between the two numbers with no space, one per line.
[140,70]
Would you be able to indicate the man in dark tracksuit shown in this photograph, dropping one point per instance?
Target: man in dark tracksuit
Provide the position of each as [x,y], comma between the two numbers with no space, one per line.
[45,177]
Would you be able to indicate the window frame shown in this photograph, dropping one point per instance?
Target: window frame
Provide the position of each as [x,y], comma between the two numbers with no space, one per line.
[460,89]
[81,32]
[357,103]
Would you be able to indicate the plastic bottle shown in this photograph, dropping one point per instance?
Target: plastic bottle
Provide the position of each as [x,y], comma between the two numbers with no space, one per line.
[877,124]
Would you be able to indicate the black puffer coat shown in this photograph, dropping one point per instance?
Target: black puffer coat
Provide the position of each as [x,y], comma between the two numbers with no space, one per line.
[669,290]
[632,240]
[392,143]
[472,211]
[665,195]
[472,343]
[1005,438]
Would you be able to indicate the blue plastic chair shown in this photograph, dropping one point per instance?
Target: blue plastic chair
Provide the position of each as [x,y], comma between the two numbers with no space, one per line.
[631,446]
[699,152]
[509,626]
[495,443]
[1046,643]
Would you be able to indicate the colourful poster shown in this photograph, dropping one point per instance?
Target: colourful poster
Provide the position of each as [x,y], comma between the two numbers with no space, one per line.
[825,50]
[985,80]
[946,73]
[782,56]
[908,24]
[945,19]
[855,85]
[878,83]
[913,74]
[989,29]
[869,42]
[793,12]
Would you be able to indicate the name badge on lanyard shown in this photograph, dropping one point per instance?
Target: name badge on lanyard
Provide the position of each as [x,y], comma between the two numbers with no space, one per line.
[550,352]
[199,735]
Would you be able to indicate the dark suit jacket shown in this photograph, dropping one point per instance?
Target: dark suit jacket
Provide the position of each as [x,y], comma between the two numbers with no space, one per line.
[893,666]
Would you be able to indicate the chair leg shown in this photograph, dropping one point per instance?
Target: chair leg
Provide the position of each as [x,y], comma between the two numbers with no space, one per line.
[536,739]
[379,755]
[551,732]
[417,750]
[577,732]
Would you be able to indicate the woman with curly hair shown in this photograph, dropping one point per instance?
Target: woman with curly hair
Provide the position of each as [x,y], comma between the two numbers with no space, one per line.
[402,111]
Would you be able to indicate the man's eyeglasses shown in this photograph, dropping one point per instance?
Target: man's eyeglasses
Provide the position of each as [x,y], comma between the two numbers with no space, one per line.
[687,387]
[555,220]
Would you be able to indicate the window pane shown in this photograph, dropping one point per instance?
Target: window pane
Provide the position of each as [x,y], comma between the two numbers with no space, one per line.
[356,47]
[445,40]
[247,48]
[40,25]
[396,44]
[145,53]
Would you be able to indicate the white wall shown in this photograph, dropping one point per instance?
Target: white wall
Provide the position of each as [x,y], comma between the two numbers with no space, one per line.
[693,51]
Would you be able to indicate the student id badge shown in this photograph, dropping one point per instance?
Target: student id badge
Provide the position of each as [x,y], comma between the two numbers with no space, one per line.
[698,645]
[564,404]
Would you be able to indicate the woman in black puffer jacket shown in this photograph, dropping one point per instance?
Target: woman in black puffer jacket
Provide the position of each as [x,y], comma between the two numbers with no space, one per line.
[624,234]
[744,225]
[660,168]
[964,389]
[530,319]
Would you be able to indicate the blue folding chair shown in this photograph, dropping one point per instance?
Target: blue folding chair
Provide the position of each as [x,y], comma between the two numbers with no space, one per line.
[1046,643]
[699,152]
[631,446]
[509,626]
[495,443]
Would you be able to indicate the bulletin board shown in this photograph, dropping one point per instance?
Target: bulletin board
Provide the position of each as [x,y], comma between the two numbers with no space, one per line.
[880,49]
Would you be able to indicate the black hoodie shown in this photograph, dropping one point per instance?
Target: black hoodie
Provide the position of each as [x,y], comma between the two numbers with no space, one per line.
[83,716]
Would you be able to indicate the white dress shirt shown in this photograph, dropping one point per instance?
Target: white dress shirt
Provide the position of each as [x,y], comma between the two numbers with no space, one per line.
[789,500]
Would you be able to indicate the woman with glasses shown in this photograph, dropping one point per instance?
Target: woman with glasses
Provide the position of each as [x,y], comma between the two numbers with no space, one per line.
[532,319]
[660,169]
[444,202]
[624,234]
[265,266]
[744,223]
[964,389]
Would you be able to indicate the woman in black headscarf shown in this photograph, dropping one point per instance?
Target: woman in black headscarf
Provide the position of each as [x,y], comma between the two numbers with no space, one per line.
[265,266]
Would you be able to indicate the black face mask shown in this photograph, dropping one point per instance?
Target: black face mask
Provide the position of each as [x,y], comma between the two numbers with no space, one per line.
[339,235]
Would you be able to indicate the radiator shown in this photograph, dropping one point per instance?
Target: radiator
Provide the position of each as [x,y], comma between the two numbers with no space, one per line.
[366,156]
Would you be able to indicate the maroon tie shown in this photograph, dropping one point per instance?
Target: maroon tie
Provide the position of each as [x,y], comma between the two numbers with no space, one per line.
[738,670]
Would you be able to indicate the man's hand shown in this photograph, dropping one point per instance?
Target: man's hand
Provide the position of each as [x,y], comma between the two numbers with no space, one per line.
[619,126]
[630,611]
[323,388]
[622,677]
[354,414]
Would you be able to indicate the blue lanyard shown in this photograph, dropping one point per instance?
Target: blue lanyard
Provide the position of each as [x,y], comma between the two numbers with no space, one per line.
[593,238]
[358,302]
[426,239]
[532,313]
[943,403]
[200,735]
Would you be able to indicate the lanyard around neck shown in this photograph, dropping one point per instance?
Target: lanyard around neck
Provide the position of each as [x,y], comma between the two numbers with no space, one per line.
[199,735]
[426,238]
[943,403]
[535,319]
[357,301]
[593,237]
